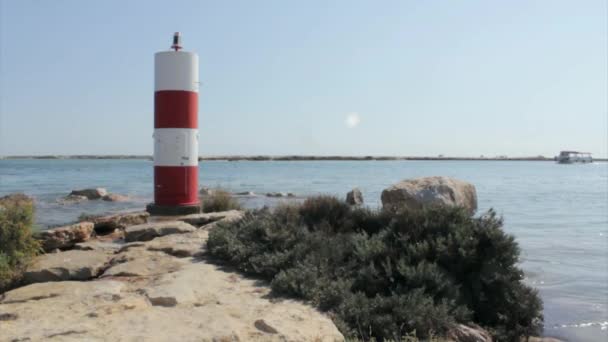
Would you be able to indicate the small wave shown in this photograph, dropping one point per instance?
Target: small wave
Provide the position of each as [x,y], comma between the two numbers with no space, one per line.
[602,325]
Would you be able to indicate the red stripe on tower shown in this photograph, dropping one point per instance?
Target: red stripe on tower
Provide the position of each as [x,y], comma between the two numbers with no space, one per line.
[175,132]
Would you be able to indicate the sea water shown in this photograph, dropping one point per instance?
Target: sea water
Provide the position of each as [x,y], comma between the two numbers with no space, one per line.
[558,213]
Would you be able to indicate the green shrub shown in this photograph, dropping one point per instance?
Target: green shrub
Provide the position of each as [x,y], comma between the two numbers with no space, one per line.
[219,200]
[17,244]
[383,274]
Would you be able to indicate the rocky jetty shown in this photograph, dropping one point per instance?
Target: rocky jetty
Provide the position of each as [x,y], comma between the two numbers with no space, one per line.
[440,191]
[156,287]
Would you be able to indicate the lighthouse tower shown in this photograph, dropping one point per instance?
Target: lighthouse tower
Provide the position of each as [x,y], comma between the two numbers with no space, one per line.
[175,132]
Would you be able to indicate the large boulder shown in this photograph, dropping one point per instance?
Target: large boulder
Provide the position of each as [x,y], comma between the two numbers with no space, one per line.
[69,265]
[149,231]
[92,193]
[66,236]
[430,191]
[354,197]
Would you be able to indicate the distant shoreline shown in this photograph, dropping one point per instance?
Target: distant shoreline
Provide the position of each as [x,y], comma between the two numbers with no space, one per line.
[296,158]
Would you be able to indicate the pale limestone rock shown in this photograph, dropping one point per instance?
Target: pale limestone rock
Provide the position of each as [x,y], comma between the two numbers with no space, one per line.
[149,231]
[198,302]
[430,191]
[69,265]
[181,245]
[66,236]
[139,262]
[98,245]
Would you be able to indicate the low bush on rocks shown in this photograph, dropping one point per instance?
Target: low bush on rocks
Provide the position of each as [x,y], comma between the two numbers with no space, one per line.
[17,244]
[219,200]
[386,274]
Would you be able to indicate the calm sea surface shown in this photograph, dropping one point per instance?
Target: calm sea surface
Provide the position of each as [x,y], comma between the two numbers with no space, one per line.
[558,213]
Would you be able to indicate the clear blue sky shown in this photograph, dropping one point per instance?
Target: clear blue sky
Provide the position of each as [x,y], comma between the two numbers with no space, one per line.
[283,77]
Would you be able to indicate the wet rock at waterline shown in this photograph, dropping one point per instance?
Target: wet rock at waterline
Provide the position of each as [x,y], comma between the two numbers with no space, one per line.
[91,193]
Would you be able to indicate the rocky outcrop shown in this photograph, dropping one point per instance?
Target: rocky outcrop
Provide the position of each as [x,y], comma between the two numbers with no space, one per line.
[150,295]
[115,198]
[107,224]
[69,265]
[66,236]
[430,191]
[92,193]
[149,231]
[354,197]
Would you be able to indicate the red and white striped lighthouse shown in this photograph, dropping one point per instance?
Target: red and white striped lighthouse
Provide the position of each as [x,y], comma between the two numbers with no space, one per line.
[175,131]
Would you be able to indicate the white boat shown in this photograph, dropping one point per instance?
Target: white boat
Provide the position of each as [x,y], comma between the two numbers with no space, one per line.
[570,157]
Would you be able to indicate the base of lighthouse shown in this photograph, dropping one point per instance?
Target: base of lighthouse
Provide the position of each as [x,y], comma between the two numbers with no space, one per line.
[173,210]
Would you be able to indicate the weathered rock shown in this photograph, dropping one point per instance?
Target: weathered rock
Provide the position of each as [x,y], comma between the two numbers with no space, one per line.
[92,193]
[69,265]
[354,197]
[149,231]
[115,198]
[197,302]
[107,224]
[464,333]
[139,262]
[205,218]
[430,191]
[66,236]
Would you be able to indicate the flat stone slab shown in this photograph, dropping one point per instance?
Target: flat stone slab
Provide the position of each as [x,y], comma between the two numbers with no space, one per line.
[139,262]
[149,231]
[99,245]
[181,245]
[69,265]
